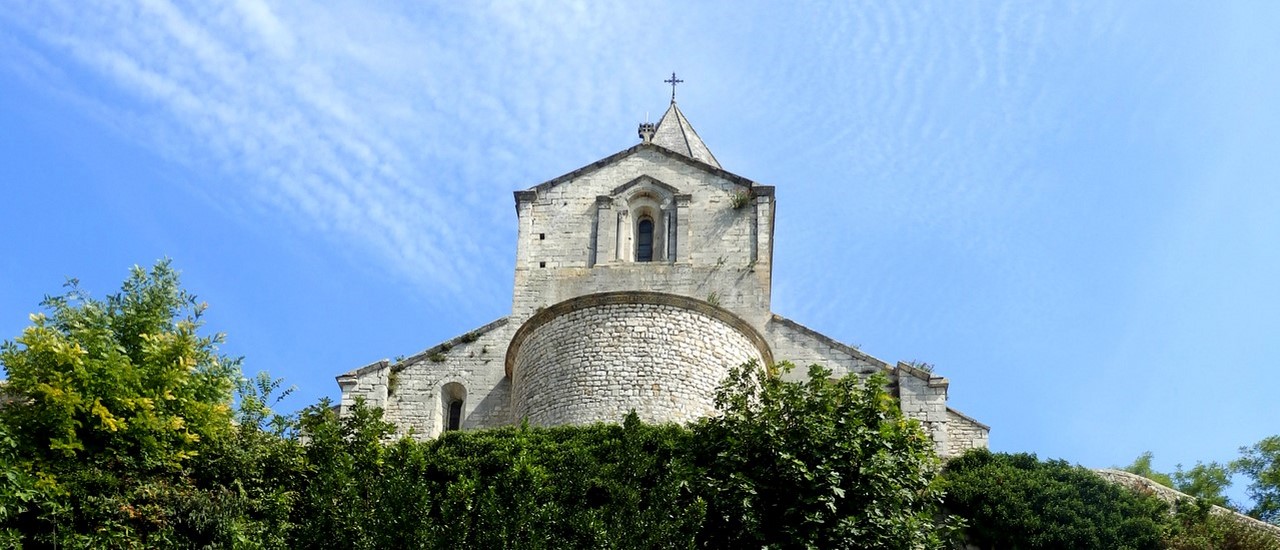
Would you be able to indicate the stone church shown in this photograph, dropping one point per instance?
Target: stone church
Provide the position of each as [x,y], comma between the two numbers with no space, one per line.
[639,280]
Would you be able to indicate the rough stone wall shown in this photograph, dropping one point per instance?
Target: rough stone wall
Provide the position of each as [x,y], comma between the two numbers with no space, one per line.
[923,397]
[721,254]
[964,433]
[801,345]
[597,363]
[411,391]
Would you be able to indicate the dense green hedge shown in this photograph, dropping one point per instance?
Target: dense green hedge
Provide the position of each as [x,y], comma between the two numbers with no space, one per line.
[588,487]
[1018,501]
[823,464]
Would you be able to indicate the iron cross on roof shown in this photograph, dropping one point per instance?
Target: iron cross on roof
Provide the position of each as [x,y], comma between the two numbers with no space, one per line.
[673,81]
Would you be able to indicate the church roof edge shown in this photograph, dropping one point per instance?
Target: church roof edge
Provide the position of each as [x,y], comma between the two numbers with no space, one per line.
[835,344]
[969,418]
[714,169]
[442,346]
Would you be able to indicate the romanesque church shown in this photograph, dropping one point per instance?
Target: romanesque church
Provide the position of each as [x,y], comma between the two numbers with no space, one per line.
[639,280]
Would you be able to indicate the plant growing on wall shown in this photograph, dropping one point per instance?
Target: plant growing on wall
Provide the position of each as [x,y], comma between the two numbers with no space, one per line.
[739,199]
[393,382]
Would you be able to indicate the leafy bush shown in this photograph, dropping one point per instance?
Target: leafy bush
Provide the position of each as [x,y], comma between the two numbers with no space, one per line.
[118,431]
[1018,501]
[1193,526]
[1205,481]
[821,464]
[604,485]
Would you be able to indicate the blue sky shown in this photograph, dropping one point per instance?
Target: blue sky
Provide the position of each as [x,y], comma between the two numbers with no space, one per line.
[1071,209]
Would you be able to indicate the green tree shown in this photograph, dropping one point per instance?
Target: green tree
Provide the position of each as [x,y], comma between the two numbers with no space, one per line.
[1261,464]
[1205,481]
[820,464]
[1142,467]
[109,403]
[251,476]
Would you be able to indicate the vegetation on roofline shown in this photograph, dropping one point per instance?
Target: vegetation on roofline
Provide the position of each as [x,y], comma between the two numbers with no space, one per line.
[1209,481]
[121,431]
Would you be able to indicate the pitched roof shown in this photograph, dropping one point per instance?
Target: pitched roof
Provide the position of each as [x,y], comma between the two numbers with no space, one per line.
[675,133]
[757,189]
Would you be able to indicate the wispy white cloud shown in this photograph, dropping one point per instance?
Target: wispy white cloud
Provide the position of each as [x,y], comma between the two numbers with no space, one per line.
[398,131]
[386,129]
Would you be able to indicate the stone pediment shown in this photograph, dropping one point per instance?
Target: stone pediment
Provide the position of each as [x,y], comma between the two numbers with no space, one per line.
[642,182]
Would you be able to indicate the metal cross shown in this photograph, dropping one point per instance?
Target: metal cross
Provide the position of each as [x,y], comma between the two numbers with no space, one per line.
[673,81]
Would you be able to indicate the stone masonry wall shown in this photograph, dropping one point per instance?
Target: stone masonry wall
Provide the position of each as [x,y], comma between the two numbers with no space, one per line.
[597,363]
[722,254]
[923,397]
[791,341]
[411,391]
[964,433]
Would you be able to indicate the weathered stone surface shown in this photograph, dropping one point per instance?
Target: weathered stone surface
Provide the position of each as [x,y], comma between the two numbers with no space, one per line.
[597,363]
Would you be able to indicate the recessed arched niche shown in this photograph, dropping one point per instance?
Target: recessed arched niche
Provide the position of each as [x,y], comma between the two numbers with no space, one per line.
[638,223]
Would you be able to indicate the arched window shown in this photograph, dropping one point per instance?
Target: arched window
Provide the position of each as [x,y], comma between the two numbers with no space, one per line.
[644,240]
[453,397]
[455,415]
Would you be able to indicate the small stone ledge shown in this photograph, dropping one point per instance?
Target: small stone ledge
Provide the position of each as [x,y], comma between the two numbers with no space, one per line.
[643,179]
[1143,485]
[357,373]
[635,297]
[934,381]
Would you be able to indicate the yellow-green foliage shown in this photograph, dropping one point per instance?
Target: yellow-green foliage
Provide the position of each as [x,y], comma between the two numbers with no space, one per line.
[111,399]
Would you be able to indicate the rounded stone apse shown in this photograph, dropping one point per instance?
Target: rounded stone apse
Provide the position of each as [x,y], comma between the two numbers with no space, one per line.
[597,357]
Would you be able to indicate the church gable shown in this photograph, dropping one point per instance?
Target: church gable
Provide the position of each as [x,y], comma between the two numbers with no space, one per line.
[645,182]
[646,219]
